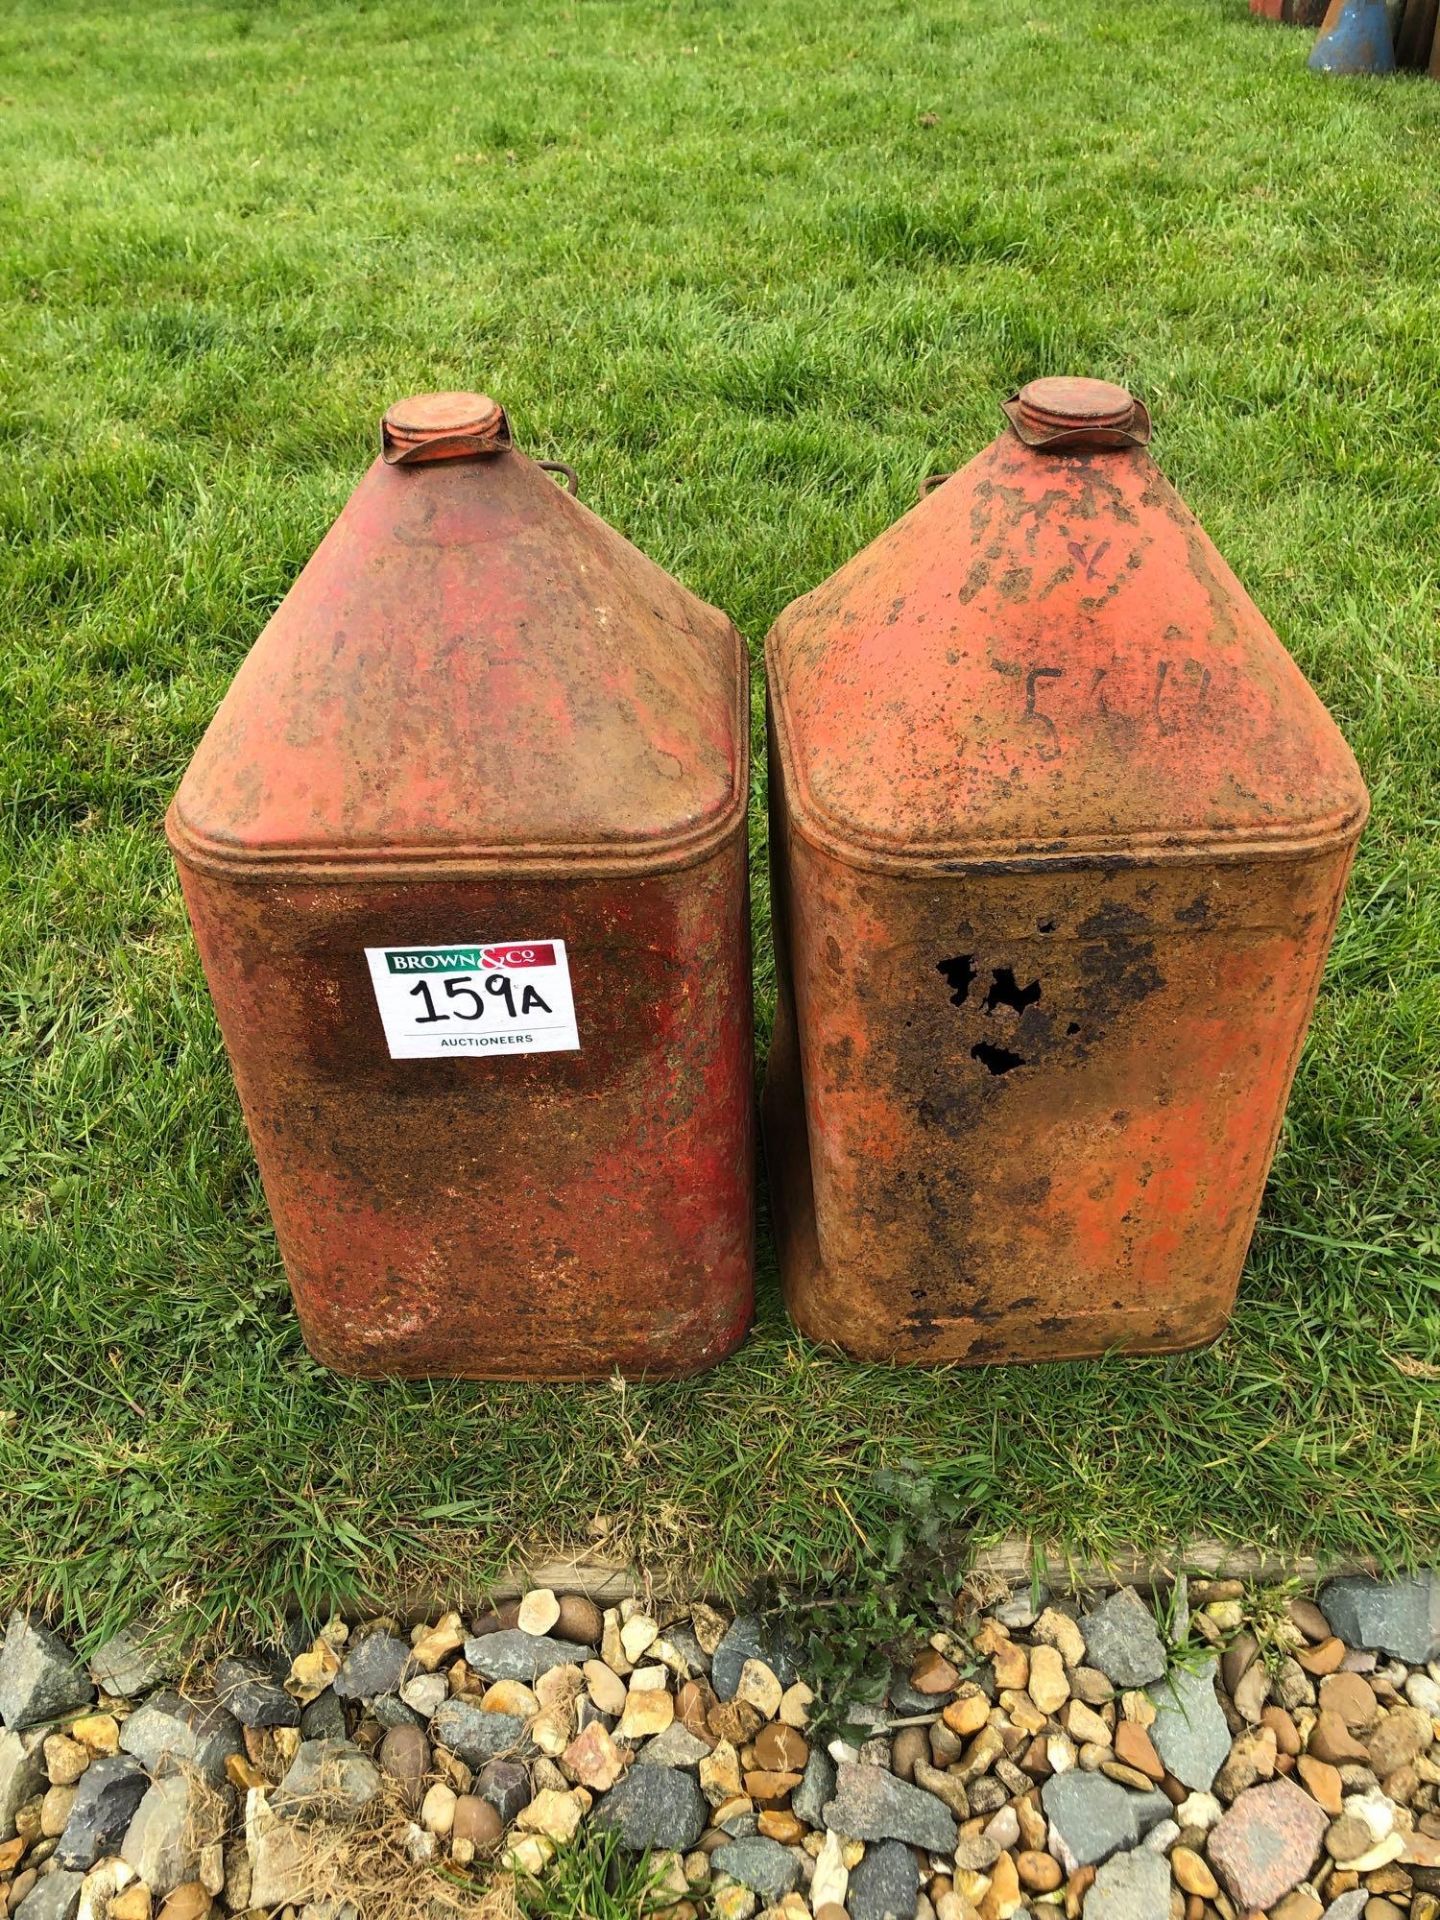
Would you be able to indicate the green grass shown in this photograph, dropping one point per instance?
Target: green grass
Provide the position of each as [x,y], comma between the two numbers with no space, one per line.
[754,268]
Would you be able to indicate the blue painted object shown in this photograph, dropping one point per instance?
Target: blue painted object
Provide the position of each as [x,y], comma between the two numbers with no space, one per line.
[1357,41]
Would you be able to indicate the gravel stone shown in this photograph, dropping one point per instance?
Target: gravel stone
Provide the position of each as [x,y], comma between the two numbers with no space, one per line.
[1267,1843]
[22,1775]
[654,1807]
[1131,1886]
[106,1801]
[160,1843]
[1348,1906]
[1189,1732]
[253,1693]
[513,1655]
[278,1861]
[1122,1641]
[506,1785]
[870,1804]
[1092,1817]
[747,1639]
[1021,1609]
[763,1865]
[391,1711]
[477,1736]
[817,1785]
[55,1896]
[675,1747]
[324,1718]
[373,1666]
[139,1657]
[329,1777]
[885,1885]
[1397,1616]
[170,1731]
[39,1676]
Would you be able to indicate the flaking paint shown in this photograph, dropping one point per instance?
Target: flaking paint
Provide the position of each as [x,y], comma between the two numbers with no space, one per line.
[1044,972]
[481,714]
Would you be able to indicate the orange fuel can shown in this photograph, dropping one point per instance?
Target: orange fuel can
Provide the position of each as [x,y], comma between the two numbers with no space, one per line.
[1059,834]
[464,849]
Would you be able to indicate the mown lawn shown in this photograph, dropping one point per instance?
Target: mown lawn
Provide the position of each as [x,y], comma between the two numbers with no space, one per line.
[754,268]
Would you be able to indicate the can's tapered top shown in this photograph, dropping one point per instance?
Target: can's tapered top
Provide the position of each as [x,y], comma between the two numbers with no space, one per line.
[1047,660]
[473,669]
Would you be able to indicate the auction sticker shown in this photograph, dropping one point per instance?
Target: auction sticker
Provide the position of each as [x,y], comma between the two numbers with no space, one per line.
[510,996]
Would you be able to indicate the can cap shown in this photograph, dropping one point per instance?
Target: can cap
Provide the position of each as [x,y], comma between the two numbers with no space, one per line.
[442,426]
[1065,411]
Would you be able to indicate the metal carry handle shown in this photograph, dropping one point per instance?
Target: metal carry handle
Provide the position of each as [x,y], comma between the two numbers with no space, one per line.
[572,479]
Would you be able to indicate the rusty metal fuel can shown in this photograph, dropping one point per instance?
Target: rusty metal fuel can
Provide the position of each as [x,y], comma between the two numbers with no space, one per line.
[1059,834]
[464,850]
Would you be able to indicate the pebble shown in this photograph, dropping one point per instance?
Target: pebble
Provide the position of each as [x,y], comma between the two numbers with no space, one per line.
[99,1732]
[1266,1843]
[781,1749]
[760,1687]
[509,1654]
[594,1760]
[405,1758]
[1135,1748]
[436,1644]
[22,1774]
[538,1612]
[885,1883]
[106,1801]
[1191,1873]
[763,1865]
[870,1804]
[160,1840]
[40,1678]
[1091,1817]
[330,1775]
[55,1896]
[373,1665]
[475,1735]
[1332,1741]
[1400,1617]
[171,1731]
[1130,1886]
[967,1713]
[437,1809]
[1048,1687]
[1190,1734]
[1352,1697]
[1121,1640]
[478,1821]
[654,1807]
[510,1696]
[1401,1737]
[648,1711]
[1039,1872]
[1055,1628]
[579,1620]
[142,1655]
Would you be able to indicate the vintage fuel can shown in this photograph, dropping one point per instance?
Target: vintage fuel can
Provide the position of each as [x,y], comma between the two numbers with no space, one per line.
[1059,834]
[464,850]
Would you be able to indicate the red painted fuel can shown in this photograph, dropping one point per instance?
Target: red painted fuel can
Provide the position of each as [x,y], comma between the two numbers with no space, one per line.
[464,850]
[1059,833]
